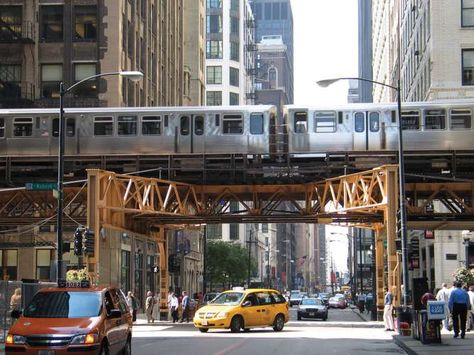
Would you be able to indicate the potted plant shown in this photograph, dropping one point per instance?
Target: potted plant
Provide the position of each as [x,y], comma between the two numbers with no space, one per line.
[464,275]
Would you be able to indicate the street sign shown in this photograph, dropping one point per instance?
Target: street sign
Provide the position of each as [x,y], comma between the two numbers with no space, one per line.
[41,186]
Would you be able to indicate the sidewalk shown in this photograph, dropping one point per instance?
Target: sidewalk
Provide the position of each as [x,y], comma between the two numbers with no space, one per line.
[415,347]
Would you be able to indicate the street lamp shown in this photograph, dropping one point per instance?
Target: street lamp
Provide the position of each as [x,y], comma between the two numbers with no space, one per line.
[133,75]
[401,171]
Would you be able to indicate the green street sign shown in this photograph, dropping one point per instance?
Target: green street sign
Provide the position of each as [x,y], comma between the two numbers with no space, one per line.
[41,186]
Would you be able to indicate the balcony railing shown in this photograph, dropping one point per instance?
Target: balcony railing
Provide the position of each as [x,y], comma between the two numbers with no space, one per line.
[16,94]
[16,33]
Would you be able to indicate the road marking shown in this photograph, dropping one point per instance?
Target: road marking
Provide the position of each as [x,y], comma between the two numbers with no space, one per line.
[232,347]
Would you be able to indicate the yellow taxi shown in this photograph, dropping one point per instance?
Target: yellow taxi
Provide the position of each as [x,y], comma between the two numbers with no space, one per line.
[238,309]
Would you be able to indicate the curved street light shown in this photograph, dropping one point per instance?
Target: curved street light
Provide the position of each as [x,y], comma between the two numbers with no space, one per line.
[401,172]
[132,75]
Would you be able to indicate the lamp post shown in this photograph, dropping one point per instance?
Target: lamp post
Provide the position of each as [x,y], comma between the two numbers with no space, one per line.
[401,172]
[133,75]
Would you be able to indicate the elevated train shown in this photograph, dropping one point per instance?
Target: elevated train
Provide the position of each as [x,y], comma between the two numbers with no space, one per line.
[428,126]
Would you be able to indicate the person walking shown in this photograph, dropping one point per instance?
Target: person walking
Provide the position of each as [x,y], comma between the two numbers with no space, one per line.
[388,310]
[15,300]
[132,305]
[185,306]
[459,304]
[155,313]
[149,303]
[443,295]
[174,307]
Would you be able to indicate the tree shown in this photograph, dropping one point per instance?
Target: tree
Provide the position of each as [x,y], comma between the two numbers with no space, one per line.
[227,263]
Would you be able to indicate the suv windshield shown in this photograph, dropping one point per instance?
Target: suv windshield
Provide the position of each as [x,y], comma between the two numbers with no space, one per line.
[64,304]
[311,302]
[228,298]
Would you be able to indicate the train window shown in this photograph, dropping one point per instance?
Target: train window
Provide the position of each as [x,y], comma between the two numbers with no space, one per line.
[70,127]
[301,122]
[55,127]
[461,118]
[103,126]
[218,120]
[359,122]
[411,120]
[127,125]
[232,124]
[166,120]
[2,127]
[151,125]
[374,121]
[199,125]
[23,127]
[325,121]
[340,117]
[184,125]
[256,123]
[435,119]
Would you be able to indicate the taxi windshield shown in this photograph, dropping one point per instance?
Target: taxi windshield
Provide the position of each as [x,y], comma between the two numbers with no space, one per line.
[64,304]
[228,298]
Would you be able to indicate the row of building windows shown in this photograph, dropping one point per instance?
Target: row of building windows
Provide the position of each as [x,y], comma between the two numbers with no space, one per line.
[214,75]
[217,4]
[270,11]
[214,50]
[214,98]
[9,264]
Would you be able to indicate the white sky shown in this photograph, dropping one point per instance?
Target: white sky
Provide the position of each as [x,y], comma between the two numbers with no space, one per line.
[325,46]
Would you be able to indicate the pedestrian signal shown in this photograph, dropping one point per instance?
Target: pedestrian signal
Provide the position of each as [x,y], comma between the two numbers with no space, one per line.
[78,242]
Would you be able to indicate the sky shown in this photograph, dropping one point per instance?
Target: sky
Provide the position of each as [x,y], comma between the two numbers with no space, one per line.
[325,46]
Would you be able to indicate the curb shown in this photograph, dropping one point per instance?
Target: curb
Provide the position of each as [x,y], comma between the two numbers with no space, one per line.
[401,344]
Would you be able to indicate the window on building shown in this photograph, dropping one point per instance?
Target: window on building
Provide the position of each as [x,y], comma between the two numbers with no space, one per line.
[103,126]
[214,75]
[461,119]
[234,26]
[233,231]
[214,231]
[139,261]
[214,4]
[214,24]
[151,125]
[268,11]
[127,125]
[256,123]
[272,78]
[276,11]
[8,264]
[23,127]
[234,76]
[374,121]
[468,67]
[125,270]
[300,120]
[213,49]
[10,73]
[51,77]
[264,227]
[325,121]
[85,21]
[232,124]
[150,275]
[257,11]
[234,5]
[235,51]
[234,99]
[284,11]
[89,87]
[359,122]
[467,13]
[214,98]
[51,23]
[435,119]
[411,120]
[10,21]
[43,263]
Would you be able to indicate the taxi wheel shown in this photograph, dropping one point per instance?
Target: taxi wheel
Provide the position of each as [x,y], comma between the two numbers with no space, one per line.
[236,324]
[203,330]
[279,323]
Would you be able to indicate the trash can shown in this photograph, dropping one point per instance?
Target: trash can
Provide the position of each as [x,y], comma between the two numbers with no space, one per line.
[430,330]
[404,320]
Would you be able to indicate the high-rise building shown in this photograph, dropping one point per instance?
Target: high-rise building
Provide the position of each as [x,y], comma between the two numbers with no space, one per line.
[43,43]
[365,51]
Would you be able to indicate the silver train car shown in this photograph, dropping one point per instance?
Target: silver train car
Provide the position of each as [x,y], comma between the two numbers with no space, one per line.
[146,130]
[426,126]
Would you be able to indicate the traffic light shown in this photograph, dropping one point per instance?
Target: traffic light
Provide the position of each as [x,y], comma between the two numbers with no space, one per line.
[78,242]
[89,242]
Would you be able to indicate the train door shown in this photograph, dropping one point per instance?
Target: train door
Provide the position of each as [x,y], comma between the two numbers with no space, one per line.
[70,136]
[367,133]
[190,134]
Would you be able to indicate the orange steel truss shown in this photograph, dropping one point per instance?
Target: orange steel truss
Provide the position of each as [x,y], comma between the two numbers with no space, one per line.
[368,199]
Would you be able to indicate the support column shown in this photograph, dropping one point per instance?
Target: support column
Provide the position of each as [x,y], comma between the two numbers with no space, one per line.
[379,267]
[164,284]
[390,217]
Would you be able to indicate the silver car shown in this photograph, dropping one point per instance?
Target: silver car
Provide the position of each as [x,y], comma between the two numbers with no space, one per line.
[312,308]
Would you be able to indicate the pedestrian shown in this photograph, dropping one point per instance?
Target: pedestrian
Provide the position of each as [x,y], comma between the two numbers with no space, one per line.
[155,314]
[170,294]
[471,313]
[132,305]
[174,307]
[459,304]
[388,310]
[15,300]
[185,307]
[149,303]
[443,295]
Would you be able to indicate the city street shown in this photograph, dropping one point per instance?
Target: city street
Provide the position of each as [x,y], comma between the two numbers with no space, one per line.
[343,333]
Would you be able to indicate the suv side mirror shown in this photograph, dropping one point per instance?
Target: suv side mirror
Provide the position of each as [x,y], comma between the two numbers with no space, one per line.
[114,313]
[246,303]
[16,313]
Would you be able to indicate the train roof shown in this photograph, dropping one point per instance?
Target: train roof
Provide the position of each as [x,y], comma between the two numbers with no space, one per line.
[170,109]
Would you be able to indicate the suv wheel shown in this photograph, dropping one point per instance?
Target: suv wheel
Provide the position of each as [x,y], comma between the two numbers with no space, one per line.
[104,349]
[203,330]
[127,350]
[279,323]
[236,324]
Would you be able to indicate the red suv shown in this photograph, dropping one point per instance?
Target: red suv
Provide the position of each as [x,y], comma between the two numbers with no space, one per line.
[79,320]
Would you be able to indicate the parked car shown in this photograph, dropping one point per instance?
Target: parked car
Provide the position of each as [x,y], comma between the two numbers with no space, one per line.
[74,318]
[243,309]
[312,308]
[337,302]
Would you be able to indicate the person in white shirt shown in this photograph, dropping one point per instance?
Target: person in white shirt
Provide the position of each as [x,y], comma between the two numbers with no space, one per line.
[174,304]
[471,312]
[443,295]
